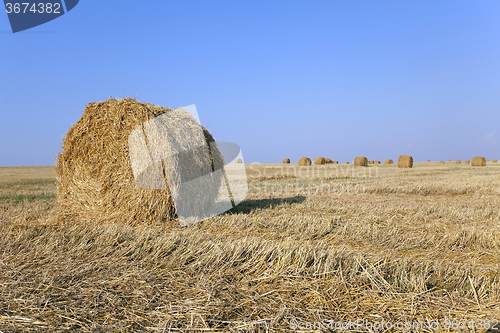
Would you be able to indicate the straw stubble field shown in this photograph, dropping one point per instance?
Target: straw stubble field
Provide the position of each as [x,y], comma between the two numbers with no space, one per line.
[402,245]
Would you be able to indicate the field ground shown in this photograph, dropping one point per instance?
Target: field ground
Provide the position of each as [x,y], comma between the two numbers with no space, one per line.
[309,244]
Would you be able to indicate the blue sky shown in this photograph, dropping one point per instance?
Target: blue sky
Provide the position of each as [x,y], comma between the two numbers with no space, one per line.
[280,78]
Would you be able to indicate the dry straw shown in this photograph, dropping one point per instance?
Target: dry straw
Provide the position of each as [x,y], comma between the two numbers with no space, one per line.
[304,161]
[479,161]
[95,180]
[405,161]
[388,161]
[360,161]
[286,160]
[319,160]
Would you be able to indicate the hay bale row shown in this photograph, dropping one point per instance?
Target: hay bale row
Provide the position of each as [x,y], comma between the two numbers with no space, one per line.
[405,161]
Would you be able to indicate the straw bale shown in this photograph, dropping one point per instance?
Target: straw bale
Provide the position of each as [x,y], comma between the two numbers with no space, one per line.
[405,161]
[478,161]
[304,161]
[319,160]
[360,161]
[388,161]
[95,171]
[286,160]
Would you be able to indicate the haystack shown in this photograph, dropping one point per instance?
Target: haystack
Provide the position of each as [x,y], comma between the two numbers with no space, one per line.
[478,161]
[441,162]
[467,162]
[238,160]
[377,162]
[304,161]
[458,161]
[371,162]
[405,161]
[360,161]
[286,160]
[388,161]
[97,178]
[319,160]
[328,161]
[346,162]
[335,162]
[428,161]
[494,161]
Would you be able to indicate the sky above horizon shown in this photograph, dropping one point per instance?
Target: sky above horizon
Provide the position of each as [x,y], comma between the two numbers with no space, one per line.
[337,79]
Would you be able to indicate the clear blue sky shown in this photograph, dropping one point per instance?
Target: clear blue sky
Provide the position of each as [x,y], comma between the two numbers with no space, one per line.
[280,78]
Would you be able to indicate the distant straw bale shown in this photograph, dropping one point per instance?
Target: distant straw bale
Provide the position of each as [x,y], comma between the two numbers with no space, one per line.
[458,162]
[494,161]
[428,161]
[405,161]
[371,162]
[479,161]
[388,161]
[335,162]
[238,160]
[286,160]
[360,161]
[319,160]
[467,162]
[441,162]
[377,162]
[102,177]
[328,161]
[305,161]
[346,162]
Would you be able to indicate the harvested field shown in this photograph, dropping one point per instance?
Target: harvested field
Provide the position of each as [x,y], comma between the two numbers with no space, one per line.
[323,242]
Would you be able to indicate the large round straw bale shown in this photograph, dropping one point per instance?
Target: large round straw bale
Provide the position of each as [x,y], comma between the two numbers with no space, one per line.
[319,160]
[388,161]
[238,160]
[360,161]
[478,161]
[494,161]
[328,161]
[96,166]
[458,161]
[286,160]
[304,161]
[405,161]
